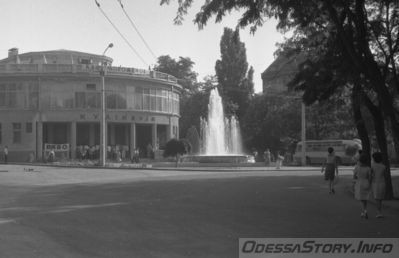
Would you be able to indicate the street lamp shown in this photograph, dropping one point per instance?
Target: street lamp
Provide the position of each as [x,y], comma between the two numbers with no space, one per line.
[109,46]
[303,134]
[103,150]
[303,129]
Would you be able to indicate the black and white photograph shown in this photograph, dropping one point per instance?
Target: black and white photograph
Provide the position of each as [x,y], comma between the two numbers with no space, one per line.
[188,128]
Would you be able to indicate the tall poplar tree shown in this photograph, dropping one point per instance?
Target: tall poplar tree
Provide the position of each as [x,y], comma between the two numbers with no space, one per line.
[235,81]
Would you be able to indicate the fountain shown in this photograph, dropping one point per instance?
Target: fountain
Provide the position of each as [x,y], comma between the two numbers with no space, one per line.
[221,138]
[220,135]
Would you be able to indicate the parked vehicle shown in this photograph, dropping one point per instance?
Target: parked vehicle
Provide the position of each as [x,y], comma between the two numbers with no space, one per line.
[316,151]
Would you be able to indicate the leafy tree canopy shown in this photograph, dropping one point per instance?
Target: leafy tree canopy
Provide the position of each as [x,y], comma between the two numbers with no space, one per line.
[182,69]
[174,147]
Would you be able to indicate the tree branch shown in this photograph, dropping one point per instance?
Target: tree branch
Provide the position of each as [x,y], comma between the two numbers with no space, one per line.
[349,48]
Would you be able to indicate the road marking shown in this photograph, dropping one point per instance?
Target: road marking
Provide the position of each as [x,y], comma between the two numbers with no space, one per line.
[296,187]
[4,221]
[70,208]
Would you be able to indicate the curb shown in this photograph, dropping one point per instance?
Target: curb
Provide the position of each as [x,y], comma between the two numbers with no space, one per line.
[150,166]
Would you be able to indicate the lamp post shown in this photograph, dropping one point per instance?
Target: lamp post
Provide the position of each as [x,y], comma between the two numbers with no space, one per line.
[303,134]
[103,150]
[303,129]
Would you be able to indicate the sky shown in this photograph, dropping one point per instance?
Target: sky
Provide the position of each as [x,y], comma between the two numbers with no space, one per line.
[79,25]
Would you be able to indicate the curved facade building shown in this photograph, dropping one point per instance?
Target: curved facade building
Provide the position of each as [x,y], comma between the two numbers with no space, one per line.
[52,100]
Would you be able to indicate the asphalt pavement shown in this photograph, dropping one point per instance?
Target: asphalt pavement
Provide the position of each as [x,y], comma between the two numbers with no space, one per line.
[78,212]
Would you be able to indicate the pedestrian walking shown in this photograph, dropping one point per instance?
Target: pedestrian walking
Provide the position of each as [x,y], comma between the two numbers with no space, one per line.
[267,157]
[51,155]
[378,181]
[255,154]
[5,154]
[136,155]
[330,169]
[362,176]
[150,151]
[279,160]
[356,157]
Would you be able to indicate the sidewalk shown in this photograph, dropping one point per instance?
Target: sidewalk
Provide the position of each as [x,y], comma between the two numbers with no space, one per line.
[394,204]
[170,165]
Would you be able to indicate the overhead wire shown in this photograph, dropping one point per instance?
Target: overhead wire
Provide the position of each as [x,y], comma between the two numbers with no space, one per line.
[120,33]
[137,30]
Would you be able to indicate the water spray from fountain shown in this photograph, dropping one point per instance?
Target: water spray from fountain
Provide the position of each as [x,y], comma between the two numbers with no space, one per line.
[220,135]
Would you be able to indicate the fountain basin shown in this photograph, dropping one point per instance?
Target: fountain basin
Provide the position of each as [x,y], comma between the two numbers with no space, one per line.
[231,158]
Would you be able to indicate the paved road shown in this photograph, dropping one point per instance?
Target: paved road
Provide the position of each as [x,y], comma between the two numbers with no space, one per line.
[60,212]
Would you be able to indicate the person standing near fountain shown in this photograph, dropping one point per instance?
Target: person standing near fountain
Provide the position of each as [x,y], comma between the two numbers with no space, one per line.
[267,157]
[5,154]
[279,160]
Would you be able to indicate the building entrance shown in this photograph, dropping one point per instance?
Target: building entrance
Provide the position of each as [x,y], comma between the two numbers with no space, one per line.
[161,136]
[56,139]
[118,141]
[144,140]
[87,141]
[87,134]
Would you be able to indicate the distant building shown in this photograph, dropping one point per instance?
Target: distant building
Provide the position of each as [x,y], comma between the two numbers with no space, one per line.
[276,77]
[53,98]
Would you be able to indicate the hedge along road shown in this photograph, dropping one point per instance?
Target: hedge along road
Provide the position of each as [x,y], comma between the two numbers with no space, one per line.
[64,212]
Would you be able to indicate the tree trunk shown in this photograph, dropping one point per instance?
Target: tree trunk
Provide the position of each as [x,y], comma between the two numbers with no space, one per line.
[358,52]
[379,125]
[385,98]
[359,122]
[395,135]
[363,60]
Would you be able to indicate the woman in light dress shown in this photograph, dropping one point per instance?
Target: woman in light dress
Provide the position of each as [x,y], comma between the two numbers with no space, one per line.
[378,181]
[362,176]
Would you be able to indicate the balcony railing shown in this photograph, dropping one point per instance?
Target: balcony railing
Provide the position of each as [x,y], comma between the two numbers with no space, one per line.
[79,68]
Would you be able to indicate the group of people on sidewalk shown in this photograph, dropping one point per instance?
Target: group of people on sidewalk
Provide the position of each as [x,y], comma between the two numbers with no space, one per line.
[268,158]
[369,179]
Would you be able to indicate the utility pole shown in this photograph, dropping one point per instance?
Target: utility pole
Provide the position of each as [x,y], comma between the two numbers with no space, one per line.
[103,150]
[303,134]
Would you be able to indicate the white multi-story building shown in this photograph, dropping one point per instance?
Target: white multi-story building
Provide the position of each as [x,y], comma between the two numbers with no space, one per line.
[54,97]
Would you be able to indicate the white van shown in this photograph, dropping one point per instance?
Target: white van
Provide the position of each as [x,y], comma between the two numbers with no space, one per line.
[316,151]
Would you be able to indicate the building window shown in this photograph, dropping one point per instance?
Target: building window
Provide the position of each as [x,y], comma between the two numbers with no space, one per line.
[146,99]
[90,86]
[14,95]
[153,100]
[3,95]
[138,99]
[80,100]
[111,100]
[16,136]
[85,61]
[29,127]
[93,100]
